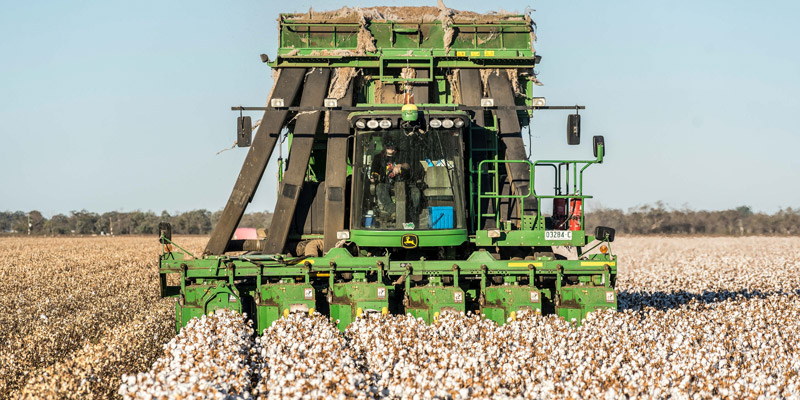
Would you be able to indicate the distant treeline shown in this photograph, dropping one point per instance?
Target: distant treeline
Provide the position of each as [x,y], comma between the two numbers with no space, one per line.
[644,220]
[119,223]
[659,219]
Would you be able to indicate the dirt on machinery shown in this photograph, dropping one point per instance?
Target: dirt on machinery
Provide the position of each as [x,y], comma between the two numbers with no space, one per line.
[365,15]
[401,14]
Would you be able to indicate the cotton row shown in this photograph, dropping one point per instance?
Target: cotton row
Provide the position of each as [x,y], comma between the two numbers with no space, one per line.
[208,359]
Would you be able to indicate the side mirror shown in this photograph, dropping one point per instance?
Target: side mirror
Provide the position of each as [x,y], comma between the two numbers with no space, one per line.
[244,131]
[574,129]
[164,232]
[604,233]
[597,142]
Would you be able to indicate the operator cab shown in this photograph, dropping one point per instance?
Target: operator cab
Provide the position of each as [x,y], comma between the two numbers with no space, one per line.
[408,177]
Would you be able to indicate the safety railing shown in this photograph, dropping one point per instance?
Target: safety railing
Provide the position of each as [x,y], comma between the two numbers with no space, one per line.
[561,168]
[495,193]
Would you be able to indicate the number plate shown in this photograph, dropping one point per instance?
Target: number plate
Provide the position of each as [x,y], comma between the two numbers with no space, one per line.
[557,235]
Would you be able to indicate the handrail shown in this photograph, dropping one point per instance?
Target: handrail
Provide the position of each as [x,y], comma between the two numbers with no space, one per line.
[577,192]
[497,194]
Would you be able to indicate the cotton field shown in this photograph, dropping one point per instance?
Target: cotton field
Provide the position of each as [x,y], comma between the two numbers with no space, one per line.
[700,318]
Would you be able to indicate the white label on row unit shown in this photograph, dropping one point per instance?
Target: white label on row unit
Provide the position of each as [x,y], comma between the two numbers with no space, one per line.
[557,235]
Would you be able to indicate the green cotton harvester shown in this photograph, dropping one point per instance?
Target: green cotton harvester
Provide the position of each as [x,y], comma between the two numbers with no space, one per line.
[408,187]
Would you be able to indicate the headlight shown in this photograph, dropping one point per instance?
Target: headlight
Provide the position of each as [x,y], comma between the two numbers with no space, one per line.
[435,123]
[385,124]
[372,124]
[276,103]
[447,124]
[459,122]
[360,124]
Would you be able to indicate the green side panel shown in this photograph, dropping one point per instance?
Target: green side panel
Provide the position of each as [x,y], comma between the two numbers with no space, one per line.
[204,299]
[527,238]
[273,300]
[427,302]
[516,36]
[575,302]
[222,297]
[347,299]
[433,238]
[319,35]
[342,315]
[501,34]
[266,315]
[501,301]
[184,314]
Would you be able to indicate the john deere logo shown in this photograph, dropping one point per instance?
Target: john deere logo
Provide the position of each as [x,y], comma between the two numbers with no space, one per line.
[410,241]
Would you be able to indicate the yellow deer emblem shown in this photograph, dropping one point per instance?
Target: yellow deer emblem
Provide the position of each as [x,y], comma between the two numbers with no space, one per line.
[410,241]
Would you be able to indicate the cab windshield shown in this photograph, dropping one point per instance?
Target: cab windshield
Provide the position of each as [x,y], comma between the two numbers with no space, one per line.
[408,182]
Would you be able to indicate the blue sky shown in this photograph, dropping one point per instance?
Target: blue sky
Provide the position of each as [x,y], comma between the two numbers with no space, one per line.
[124,105]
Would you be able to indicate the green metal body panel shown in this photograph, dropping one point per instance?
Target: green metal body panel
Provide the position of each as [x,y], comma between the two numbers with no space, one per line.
[577,301]
[184,314]
[205,299]
[526,238]
[427,238]
[272,301]
[351,300]
[428,302]
[505,42]
[501,301]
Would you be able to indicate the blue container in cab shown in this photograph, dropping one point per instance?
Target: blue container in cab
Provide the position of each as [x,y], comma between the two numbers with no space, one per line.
[440,217]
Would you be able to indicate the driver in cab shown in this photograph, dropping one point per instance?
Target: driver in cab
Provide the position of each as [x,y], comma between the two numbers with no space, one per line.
[389,167]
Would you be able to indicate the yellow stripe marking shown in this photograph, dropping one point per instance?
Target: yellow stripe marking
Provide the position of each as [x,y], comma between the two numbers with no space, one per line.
[524,264]
[461,54]
[475,54]
[598,263]
[489,53]
[323,274]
